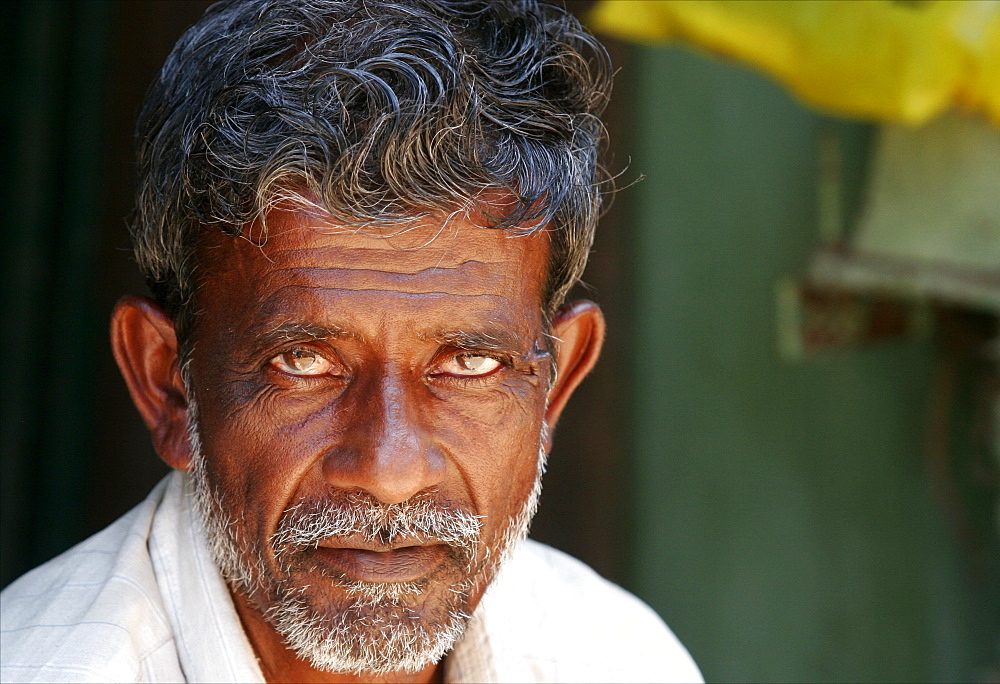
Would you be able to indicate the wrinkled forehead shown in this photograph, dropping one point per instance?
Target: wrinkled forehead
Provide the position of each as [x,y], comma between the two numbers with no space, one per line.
[452,254]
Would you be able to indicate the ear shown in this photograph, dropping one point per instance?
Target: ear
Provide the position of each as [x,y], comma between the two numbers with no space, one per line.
[578,329]
[145,347]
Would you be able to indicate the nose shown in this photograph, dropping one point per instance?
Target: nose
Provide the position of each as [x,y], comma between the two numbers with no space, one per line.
[386,449]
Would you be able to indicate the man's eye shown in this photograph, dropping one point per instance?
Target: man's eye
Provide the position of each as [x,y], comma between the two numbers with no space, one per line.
[470,365]
[301,362]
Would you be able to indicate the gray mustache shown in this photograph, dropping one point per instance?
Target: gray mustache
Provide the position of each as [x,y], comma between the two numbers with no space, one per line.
[420,518]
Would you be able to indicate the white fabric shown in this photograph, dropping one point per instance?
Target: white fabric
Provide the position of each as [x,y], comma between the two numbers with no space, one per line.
[142,601]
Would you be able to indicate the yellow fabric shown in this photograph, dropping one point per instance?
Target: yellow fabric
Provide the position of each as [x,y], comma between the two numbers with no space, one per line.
[903,61]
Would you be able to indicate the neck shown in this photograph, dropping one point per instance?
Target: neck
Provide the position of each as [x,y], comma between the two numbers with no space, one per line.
[278,663]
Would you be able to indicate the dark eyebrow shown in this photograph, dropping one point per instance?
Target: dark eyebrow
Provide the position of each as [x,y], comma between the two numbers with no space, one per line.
[287,332]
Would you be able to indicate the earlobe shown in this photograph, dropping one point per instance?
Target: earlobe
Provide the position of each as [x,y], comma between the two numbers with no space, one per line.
[145,348]
[579,331]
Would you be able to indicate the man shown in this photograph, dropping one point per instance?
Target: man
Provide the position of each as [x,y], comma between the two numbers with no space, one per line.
[359,222]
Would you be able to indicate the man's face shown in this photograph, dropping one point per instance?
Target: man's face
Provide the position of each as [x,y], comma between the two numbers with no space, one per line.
[370,412]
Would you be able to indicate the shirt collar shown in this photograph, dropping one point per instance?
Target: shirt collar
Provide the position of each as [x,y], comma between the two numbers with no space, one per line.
[211,644]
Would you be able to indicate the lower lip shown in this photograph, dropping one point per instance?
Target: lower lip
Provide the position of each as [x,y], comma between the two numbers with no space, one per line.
[399,565]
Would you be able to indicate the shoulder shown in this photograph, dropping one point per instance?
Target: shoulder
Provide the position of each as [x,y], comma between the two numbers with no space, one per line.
[577,626]
[91,614]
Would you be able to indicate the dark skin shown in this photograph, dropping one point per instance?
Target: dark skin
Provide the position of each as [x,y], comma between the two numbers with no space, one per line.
[393,365]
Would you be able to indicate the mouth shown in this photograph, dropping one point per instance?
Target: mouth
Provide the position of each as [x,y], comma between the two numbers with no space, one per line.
[399,564]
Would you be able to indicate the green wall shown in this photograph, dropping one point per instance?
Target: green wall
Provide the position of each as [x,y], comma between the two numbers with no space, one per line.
[784,525]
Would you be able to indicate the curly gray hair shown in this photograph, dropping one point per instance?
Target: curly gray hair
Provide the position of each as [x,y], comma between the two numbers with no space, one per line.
[383,111]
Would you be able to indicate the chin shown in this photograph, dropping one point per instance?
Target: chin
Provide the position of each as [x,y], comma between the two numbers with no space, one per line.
[342,625]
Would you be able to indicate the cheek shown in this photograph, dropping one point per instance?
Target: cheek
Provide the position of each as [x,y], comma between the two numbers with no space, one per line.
[253,417]
[258,449]
[493,441]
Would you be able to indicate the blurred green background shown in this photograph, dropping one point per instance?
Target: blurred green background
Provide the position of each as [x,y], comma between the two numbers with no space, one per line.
[787,519]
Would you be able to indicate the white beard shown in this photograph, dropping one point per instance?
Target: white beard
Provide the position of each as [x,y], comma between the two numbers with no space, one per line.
[376,632]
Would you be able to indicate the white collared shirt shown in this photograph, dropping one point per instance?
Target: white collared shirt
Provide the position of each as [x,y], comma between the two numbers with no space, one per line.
[142,601]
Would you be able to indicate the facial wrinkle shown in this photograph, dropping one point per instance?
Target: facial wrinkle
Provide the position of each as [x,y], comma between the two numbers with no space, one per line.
[400,293]
[402,258]
[462,276]
[415,268]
